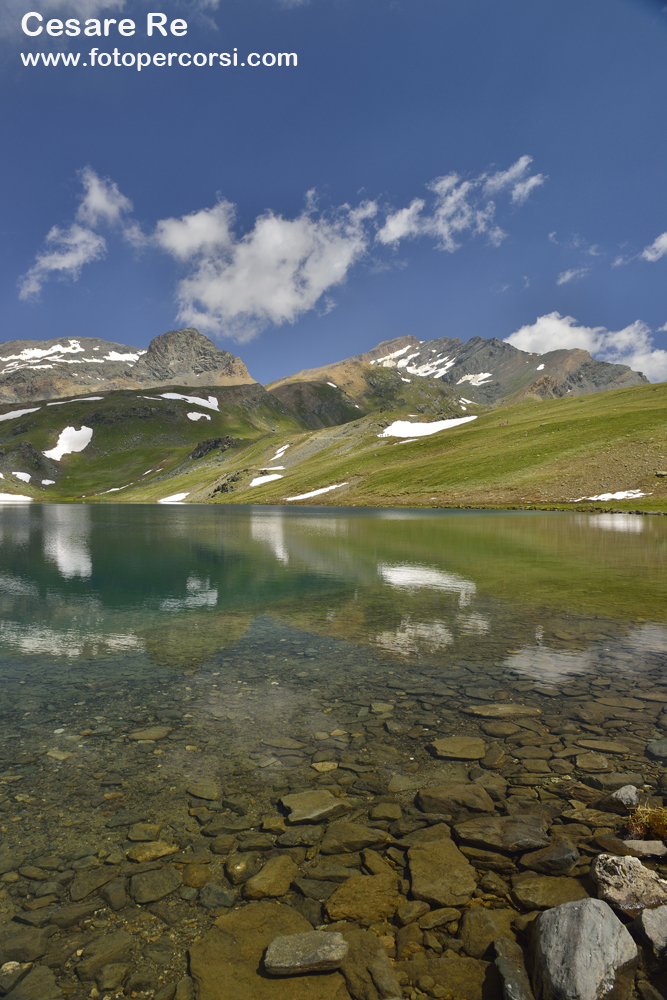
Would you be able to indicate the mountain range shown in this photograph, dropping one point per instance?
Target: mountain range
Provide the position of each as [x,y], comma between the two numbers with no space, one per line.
[88,419]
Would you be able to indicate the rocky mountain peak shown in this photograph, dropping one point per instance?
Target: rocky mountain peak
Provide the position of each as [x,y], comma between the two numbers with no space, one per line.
[187,357]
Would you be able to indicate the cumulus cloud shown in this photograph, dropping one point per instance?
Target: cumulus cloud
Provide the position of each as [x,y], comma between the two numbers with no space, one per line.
[68,250]
[236,283]
[203,232]
[571,274]
[272,274]
[633,345]
[459,206]
[657,249]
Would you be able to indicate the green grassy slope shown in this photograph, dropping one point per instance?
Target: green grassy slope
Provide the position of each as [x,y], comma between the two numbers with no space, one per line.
[530,454]
[542,454]
[132,433]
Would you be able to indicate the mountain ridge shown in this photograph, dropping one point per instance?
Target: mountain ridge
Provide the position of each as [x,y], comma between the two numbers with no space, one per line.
[33,370]
[482,371]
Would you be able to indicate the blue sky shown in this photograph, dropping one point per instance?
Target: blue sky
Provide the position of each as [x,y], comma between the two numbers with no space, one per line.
[433,167]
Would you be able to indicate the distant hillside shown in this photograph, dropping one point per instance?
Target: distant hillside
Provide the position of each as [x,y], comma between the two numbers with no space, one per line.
[54,369]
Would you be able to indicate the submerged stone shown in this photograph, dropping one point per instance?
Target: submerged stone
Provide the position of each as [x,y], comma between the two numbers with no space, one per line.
[227,962]
[314,951]
[313,807]
[440,874]
[504,833]
[365,898]
[459,747]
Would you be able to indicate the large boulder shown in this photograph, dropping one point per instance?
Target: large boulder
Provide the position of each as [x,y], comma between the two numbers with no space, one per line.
[582,950]
[227,962]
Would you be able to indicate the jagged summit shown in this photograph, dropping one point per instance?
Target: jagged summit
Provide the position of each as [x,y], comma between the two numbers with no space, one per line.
[50,369]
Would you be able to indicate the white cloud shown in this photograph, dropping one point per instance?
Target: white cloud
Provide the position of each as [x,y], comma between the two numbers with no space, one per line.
[506,178]
[235,284]
[202,232]
[514,177]
[101,201]
[272,274]
[633,345]
[403,224]
[657,249]
[575,272]
[459,206]
[71,249]
[521,190]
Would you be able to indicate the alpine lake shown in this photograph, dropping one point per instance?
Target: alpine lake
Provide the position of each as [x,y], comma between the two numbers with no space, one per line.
[223,724]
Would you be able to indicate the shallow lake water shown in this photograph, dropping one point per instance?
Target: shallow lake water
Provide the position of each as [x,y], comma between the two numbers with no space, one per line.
[247,653]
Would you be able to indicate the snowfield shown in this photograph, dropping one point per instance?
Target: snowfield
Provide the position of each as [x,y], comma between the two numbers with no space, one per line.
[621,495]
[405,429]
[259,480]
[70,440]
[83,399]
[317,493]
[18,413]
[211,403]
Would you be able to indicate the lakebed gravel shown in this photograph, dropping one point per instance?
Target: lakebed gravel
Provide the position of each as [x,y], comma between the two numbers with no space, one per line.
[422,811]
